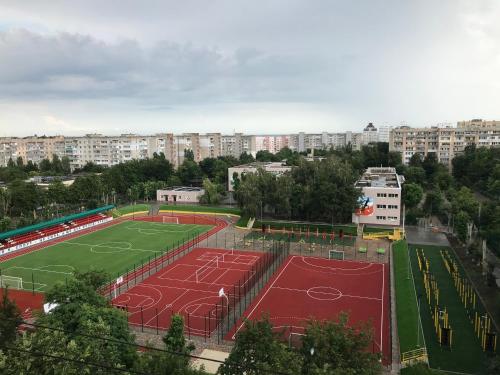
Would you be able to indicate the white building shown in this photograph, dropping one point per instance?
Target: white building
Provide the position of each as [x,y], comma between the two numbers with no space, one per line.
[276,168]
[370,134]
[180,194]
[380,203]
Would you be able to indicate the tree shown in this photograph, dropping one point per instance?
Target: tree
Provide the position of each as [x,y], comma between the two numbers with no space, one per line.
[10,319]
[265,155]
[333,347]
[246,158]
[188,154]
[176,342]
[258,349]
[416,160]
[19,162]
[461,221]
[414,175]
[45,165]
[57,192]
[433,202]
[412,194]
[212,193]
[189,172]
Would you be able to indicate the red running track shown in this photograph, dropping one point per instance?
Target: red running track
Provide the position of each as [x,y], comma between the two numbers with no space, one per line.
[307,287]
[190,286]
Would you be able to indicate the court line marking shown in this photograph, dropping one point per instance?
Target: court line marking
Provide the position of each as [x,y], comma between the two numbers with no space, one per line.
[343,295]
[279,276]
[265,293]
[37,269]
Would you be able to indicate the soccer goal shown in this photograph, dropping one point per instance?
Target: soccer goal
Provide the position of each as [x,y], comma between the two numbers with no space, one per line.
[207,269]
[11,282]
[170,220]
[336,254]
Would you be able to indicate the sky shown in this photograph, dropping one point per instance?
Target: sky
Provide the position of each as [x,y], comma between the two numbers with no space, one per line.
[269,66]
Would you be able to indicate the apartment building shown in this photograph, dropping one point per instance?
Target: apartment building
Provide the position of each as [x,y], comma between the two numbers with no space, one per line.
[384,133]
[30,148]
[370,134]
[446,142]
[380,203]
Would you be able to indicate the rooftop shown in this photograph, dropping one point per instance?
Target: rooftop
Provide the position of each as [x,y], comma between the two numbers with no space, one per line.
[381,178]
[183,188]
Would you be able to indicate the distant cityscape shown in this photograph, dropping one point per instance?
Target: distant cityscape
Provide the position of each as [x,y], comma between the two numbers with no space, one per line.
[445,141]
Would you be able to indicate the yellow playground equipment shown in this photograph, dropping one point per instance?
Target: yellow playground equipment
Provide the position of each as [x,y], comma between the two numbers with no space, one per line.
[394,235]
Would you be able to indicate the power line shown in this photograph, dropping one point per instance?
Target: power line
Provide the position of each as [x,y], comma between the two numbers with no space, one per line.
[93,364]
[113,340]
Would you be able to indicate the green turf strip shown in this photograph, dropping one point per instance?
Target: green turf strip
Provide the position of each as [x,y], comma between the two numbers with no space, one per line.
[466,354]
[133,208]
[406,301]
[209,209]
[114,249]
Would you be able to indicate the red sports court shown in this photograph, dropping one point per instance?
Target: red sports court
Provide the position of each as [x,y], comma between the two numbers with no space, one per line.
[306,287]
[202,286]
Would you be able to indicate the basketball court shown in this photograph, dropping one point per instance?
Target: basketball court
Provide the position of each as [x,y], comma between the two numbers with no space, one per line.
[203,286]
[311,287]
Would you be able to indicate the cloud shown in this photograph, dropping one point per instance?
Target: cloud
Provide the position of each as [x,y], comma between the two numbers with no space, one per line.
[73,66]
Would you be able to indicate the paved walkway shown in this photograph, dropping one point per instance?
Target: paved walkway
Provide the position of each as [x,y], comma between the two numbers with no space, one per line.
[421,236]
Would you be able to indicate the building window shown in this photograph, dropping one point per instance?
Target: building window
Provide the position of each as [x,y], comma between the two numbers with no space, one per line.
[381,195]
[393,195]
[383,206]
[393,218]
[381,218]
[392,206]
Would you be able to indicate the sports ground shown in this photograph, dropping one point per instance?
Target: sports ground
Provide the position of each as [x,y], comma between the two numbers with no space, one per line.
[114,249]
[324,289]
[192,286]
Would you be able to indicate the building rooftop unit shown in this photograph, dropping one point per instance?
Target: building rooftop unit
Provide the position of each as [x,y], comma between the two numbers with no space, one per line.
[183,188]
[262,164]
[381,177]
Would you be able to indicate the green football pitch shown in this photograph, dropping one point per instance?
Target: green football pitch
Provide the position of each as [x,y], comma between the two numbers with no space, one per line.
[114,249]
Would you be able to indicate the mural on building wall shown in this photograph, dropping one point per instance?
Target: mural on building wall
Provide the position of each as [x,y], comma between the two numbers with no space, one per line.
[365,206]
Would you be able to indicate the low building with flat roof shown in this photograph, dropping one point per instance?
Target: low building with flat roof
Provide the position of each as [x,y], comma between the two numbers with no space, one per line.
[380,203]
[276,168]
[180,194]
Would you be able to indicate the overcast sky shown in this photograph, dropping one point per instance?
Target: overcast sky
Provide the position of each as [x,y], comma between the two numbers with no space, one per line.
[75,67]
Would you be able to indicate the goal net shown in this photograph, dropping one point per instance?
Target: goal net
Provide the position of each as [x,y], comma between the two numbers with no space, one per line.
[11,282]
[170,219]
[336,254]
[207,269]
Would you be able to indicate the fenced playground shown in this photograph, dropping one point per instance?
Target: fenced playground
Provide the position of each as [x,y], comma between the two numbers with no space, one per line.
[119,247]
[187,264]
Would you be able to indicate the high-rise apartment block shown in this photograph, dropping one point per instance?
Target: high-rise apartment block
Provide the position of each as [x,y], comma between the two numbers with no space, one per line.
[446,142]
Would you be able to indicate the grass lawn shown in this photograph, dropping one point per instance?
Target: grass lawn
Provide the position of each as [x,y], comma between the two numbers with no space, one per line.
[466,354]
[208,209]
[114,249]
[409,329]
[133,208]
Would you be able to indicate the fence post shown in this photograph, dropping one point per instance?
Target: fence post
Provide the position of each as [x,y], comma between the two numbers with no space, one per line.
[32,284]
[189,328]
[157,320]
[142,320]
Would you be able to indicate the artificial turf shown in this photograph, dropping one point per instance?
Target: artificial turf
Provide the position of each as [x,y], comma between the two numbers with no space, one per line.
[409,329]
[465,354]
[114,249]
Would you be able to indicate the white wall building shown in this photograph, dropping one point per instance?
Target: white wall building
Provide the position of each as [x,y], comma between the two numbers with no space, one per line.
[380,203]
[276,168]
[180,194]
